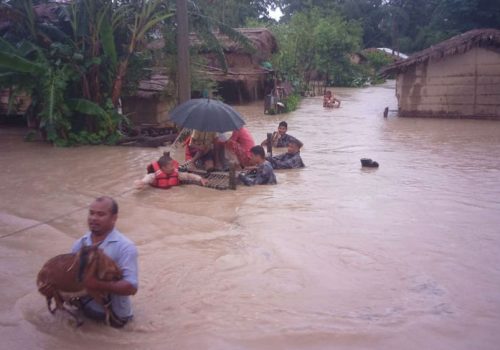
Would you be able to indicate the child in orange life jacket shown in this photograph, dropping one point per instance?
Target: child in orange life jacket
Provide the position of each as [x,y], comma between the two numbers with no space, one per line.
[164,173]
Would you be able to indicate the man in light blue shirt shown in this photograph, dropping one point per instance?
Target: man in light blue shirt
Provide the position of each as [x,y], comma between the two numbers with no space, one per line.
[102,217]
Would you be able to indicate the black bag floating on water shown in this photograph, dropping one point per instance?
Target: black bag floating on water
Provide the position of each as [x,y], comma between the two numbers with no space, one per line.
[367,162]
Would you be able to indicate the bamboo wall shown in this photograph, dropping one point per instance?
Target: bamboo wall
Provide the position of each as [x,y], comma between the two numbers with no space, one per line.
[459,86]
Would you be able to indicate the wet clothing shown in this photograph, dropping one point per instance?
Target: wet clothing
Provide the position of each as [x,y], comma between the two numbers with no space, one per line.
[114,320]
[184,177]
[240,143]
[263,175]
[279,141]
[124,253]
[286,161]
[200,141]
[162,179]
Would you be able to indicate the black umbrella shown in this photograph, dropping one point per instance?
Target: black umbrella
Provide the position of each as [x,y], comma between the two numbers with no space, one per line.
[207,115]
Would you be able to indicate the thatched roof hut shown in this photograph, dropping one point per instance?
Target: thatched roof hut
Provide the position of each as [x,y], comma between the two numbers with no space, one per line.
[460,44]
[245,77]
[261,39]
[457,78]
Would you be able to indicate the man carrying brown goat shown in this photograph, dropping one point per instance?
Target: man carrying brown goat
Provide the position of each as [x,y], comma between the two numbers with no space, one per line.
[102,217]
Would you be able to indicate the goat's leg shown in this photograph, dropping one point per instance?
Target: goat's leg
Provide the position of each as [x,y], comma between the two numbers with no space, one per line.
[107,310]
[78,320]
[49,305]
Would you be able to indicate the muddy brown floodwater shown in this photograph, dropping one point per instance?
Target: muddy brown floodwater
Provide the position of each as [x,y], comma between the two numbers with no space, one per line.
[406,256]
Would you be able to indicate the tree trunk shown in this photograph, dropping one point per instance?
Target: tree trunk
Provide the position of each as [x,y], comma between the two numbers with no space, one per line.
[184,80]
[118,83]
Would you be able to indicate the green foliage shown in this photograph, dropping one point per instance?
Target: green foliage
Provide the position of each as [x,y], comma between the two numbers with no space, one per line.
[316,41]
[406,26]
[291,102]
[377,59]
[235,13]
[350,75]
[75,66]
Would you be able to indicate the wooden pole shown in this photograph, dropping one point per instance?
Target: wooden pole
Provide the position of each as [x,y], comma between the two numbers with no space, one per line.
[184,79]
[270,144]
[232,177]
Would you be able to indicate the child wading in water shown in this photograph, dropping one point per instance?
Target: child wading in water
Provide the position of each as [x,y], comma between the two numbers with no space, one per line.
[164,173]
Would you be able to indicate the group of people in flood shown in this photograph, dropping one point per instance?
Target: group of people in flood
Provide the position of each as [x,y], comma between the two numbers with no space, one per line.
[204,150]
[210,151]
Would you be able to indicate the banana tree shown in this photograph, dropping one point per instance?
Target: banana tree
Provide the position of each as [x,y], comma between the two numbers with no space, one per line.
[149,15]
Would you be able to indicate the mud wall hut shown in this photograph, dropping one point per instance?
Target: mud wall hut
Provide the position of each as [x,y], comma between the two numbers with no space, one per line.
[245,79]
[457,78]
[150,103]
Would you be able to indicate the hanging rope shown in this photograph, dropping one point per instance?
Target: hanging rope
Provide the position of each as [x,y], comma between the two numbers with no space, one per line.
[56,217]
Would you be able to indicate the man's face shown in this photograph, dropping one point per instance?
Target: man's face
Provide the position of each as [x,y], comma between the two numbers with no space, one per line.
[282,130]
[254,159]
[293,148]
[100,220]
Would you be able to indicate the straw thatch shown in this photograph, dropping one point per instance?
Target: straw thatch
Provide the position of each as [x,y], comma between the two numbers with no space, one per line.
[484,38]
[262,40]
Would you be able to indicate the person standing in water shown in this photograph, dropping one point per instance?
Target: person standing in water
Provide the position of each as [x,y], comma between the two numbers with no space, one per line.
[102,216]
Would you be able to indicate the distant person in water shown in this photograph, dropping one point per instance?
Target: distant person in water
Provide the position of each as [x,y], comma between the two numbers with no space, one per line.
[280,138]
[330,101]
[164,173]
[289,160]
[263,174]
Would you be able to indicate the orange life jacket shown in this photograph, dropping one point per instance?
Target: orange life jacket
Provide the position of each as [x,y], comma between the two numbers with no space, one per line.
[163,180]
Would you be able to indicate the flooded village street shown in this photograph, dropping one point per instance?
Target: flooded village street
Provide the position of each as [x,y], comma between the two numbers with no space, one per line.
[405,256]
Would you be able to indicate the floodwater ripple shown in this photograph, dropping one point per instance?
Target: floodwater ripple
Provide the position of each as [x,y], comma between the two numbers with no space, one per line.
[336,256]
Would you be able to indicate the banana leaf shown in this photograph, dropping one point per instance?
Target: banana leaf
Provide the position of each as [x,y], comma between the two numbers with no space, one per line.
[84,106]
[19,64]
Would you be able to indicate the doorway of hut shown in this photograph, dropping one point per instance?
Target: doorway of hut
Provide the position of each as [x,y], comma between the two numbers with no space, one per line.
[236,92]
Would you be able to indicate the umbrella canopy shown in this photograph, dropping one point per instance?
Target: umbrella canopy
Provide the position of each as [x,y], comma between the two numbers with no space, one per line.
[207,115]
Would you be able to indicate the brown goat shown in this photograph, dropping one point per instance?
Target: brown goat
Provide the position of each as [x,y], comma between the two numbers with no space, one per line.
[61,278]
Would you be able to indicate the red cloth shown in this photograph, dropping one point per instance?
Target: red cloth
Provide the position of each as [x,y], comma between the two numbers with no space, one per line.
[187,153]
[240,143]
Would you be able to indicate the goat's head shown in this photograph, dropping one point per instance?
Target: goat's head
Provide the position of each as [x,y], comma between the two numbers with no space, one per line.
[86,256]
[94,262]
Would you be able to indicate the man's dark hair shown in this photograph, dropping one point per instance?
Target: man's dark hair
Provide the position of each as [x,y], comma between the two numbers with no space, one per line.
[164,159]
[114,205]
[296,142]
[258,151]
[283,123]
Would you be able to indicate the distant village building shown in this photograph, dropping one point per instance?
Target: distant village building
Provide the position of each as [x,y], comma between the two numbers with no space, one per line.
[457,78]
[248,72]
[244,81]
[150,103]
